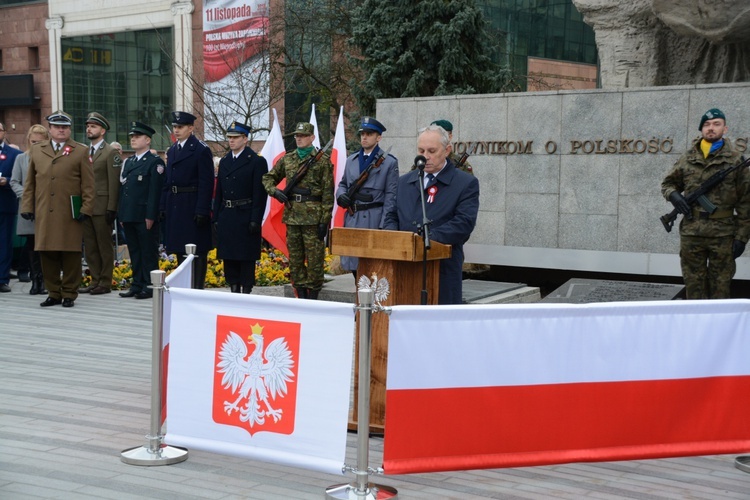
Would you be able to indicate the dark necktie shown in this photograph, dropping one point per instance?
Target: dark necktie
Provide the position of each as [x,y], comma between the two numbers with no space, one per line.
[430,178]
[92,151]
[57,147]
[179,147]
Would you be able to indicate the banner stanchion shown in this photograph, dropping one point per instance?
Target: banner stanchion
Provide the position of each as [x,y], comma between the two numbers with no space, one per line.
[362,488]
[190,249]
[155,452]
[743,463]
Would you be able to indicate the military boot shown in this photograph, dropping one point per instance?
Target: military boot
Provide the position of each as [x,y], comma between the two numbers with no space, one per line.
[235,288]
[247,289]
[312,294]
[301,292]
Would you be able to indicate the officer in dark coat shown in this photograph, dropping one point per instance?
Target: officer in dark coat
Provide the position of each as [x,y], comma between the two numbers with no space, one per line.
[142,178]
[238,209]
[452,201]
[187,193]
[8,209]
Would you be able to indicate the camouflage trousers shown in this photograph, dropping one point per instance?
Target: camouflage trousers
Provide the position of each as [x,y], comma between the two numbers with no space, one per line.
[307,255]
[707,266]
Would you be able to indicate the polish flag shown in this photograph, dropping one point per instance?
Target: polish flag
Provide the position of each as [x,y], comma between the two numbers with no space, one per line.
[478,387]
[274,231]
[314,122]
[338,158]
[265,378]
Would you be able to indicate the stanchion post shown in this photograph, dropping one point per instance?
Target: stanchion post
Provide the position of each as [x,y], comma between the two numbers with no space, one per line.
[362,488]
[190,249]
[155,452]
[743,463]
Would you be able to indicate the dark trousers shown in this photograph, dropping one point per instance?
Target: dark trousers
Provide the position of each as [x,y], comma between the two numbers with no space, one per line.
[69,264]
[29,260]
[7,222]
[240,272]
[143,247]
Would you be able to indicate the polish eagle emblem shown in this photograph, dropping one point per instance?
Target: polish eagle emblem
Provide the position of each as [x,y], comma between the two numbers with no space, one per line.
[259,379]
[381,287]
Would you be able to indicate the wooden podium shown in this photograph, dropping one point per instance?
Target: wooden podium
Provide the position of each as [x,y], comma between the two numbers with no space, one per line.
[396,256]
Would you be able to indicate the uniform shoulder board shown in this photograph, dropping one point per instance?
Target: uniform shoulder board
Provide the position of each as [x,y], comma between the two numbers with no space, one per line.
[202,143]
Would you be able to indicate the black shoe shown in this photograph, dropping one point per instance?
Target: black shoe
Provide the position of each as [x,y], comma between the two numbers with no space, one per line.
[34,287]
[49,301]
[143,295]
[68,303]
[4,288]
[235,288]
[23,276]
[129,293]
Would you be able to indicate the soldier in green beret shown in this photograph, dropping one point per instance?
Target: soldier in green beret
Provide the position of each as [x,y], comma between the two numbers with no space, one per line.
[307,212]
[710,242]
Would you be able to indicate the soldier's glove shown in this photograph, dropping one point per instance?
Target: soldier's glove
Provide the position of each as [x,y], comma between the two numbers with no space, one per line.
[737,248]
[279,195]
[254,228]
[681,204]
[162,215]
[110,216]
[82,217]
[344,201]
[200,220]
[27,216]
[322,231]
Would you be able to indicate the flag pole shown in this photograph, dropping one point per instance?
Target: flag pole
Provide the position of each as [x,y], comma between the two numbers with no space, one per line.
[362,488]
[155,452]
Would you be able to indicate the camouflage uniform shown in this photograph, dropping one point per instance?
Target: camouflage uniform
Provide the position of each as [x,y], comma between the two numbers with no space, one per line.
[303,217]
[706,241]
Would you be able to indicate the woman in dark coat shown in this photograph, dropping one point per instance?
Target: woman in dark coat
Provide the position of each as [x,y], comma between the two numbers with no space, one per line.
[239,205]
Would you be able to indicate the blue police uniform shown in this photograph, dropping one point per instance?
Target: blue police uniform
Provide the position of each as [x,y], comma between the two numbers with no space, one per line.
[186,198]
[453,212]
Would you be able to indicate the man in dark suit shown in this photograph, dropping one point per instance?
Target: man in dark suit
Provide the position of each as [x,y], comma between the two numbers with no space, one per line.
[142,178]
[97,230]
[238,209]
[8,209]
[186,197]
[452,201]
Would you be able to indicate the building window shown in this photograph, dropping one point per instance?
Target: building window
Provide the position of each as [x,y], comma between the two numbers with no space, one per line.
[33,58]
[125,76]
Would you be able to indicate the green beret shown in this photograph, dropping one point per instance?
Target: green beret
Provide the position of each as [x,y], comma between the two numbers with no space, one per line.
[712,114]
[444,124]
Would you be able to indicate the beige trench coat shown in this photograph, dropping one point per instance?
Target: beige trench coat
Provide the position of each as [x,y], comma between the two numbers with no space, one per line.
[51,181]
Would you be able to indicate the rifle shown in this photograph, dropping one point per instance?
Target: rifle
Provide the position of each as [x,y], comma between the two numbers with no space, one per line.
[302,172]
[357,185]
[465,155]
[699,195]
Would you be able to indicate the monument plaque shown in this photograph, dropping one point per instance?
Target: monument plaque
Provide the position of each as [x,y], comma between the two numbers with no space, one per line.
[585,291]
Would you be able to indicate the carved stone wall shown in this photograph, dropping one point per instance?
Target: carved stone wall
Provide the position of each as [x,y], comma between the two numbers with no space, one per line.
[645,43]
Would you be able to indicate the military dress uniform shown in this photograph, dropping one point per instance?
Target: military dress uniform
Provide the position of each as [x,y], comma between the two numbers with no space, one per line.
[97,230]
[706,240]
[186,198]
[8,211]
[310,207]
[239,205]
[453,212]
[140,192]
[53,177]
[377,196]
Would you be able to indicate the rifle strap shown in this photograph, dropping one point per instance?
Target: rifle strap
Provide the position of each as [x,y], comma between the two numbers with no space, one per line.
[719,214]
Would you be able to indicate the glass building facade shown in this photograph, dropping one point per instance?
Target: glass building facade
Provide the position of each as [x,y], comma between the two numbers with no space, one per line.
[125,76]
[548,29]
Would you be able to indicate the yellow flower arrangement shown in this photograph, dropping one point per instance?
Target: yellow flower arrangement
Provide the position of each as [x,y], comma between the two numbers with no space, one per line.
[272,269]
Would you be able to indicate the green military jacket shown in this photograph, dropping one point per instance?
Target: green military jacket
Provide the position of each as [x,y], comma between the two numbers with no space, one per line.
[317,182]
[466,167]
[732,195]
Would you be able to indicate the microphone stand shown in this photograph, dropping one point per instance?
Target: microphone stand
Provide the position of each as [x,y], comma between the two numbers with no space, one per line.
[424,230]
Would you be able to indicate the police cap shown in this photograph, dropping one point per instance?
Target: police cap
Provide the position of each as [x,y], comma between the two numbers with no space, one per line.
[237,129]
[182,118]
[370,123]
[138,128]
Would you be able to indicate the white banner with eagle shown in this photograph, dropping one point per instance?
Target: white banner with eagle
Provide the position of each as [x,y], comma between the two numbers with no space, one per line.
[265,378]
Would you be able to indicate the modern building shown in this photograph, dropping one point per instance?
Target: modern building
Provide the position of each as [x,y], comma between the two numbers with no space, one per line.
[138,60]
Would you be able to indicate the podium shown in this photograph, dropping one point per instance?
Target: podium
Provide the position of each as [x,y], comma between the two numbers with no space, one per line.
[396,256]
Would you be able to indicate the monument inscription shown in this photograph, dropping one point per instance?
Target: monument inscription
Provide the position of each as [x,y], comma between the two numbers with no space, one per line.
[584,291]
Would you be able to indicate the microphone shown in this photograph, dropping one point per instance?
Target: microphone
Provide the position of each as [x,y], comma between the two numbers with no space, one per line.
[420,162]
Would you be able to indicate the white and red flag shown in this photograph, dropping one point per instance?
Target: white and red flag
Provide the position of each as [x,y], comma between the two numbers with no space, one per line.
[476,387]
[314,122]
[266,378]
[181,277]
[274,231]
[338,158]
